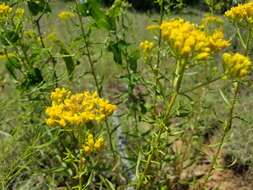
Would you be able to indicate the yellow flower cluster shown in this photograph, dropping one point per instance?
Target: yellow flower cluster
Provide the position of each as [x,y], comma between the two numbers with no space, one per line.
[4,10]
[146,46]
[236,65]
[242,12]
[217,42]
[210,20]
[93,145]
[20,12]
[66,15]
[76,109]
[207,19]
[189,41]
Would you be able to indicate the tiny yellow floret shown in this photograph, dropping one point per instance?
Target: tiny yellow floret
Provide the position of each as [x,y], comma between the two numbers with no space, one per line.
[146,46]
[66,15]
[153,27]
[92,145]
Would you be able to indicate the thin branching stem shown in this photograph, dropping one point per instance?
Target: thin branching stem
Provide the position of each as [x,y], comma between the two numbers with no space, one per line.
[227,127]
[88,53]
[202,85]
[158,51]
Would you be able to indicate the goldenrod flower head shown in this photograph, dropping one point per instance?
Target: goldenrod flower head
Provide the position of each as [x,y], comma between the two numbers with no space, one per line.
[188,41]
[59,94]
[93,145]
[146,46]
[66,15]
[201,56]
[242,12]
[76,109]
[236,65]
[217,41]
[4,10]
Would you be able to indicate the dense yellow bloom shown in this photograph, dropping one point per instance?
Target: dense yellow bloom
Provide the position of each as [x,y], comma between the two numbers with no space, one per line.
[242,12]
[76,109]
[66,15]
[188,41]
[236,65]
[93,145]
[217,42]
[4,10]
[146,46]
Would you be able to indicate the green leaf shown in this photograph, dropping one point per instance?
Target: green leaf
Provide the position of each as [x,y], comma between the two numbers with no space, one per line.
[69,62]
[133,60]
[117,49]
[93,8]
[12,65]
[38,6]
[110,185]
[224,97]
[115,10]
[33,77]
[9,37]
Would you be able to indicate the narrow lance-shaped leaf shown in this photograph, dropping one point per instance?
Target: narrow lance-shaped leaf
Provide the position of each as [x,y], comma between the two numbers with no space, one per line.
[12,65]
[69,62]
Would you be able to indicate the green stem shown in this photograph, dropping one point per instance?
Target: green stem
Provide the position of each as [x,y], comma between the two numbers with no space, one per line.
[240,37]
[201,85]
[176,84]
[80,167]
[158,52]
[227,128]
[110,137]
[152,151]
[88,53]
[248,41]
[37,23]
[179,73]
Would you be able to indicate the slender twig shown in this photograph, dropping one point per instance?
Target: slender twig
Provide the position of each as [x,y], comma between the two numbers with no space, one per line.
[150,156]
[240,37]
[88,53]
[176,84]
[37,24]
[179,73]
[201,85]
[248,41]
[227,128]
[158,52]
